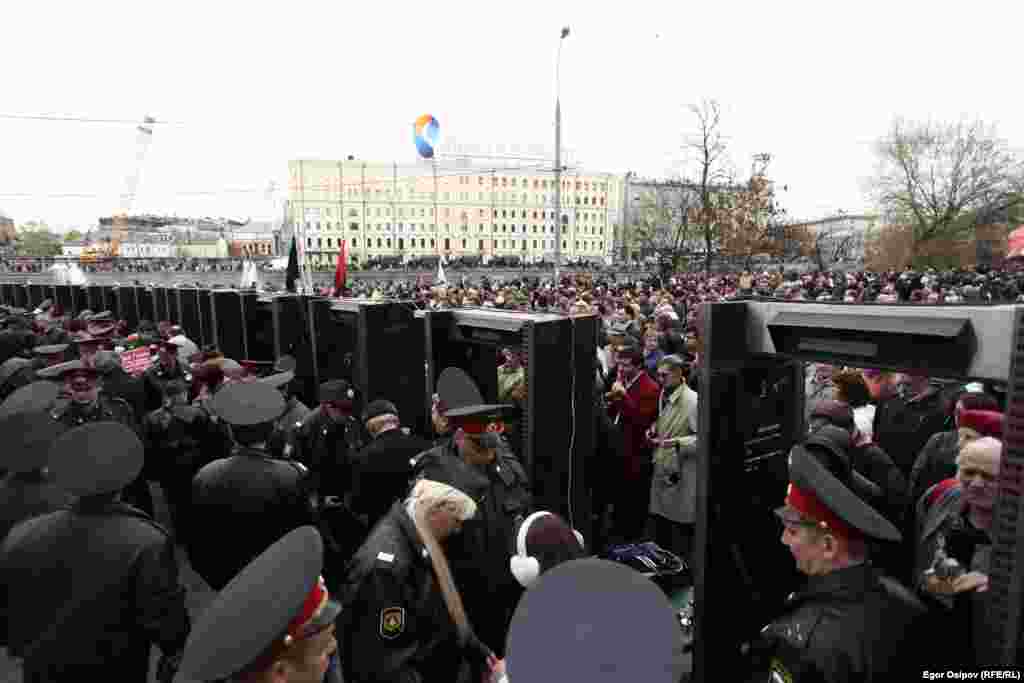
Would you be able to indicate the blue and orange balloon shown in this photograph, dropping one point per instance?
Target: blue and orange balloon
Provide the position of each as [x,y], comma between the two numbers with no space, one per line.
[426,132]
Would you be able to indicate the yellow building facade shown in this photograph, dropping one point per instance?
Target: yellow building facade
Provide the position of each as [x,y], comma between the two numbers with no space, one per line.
[419,210]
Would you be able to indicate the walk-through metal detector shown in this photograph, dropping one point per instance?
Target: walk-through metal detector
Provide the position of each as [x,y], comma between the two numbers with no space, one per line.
[751,414]
[557,428]
[377,346]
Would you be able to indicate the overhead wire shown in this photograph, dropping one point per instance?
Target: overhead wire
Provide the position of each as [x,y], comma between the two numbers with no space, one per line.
[84,119]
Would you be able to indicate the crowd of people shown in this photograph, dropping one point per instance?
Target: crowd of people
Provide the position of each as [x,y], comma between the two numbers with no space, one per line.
[430,540]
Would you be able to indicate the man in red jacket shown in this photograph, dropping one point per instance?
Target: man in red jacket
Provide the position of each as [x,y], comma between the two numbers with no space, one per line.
[633,407]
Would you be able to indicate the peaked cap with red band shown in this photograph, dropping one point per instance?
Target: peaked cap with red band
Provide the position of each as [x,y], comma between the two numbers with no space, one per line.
[817,495]
[278,599]
[462,403]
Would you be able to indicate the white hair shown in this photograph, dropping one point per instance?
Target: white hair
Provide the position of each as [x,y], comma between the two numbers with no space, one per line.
[428,495]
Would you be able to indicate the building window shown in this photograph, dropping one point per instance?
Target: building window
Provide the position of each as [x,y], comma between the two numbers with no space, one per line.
[380,242]
[431,244]
[355,241]
[309,242]
[329,243]
[535,244]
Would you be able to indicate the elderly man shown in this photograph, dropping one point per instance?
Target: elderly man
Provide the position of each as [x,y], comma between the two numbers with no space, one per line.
[954,553]
[674,437]
[381,470]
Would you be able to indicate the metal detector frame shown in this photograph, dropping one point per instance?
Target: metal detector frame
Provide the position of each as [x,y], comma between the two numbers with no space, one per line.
[738,333]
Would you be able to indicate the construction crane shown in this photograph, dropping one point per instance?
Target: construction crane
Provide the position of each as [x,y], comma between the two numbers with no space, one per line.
[143,138]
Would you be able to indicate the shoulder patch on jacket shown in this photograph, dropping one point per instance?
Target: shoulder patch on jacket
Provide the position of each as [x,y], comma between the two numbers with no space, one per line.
[392,622]
[778,673]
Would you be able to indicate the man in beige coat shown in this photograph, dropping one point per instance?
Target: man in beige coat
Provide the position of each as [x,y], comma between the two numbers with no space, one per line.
[674,484]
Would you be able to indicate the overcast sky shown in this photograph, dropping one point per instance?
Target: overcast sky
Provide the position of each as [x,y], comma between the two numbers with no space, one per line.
[257,84]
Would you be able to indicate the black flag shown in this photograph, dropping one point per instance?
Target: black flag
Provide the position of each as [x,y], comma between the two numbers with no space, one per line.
[292,274]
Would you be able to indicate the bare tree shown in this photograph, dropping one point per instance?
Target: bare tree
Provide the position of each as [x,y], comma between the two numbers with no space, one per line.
[663,222]
[931,174]
[713,171]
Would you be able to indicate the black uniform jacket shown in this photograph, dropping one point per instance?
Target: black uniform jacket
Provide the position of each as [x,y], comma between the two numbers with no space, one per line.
[106,408]
[24,495]
[86,591]
[176,439]
[394,626]
[479,556]
[381,472]
[156,377]
[241,505]
[118,384]
[850,625]
[326,447]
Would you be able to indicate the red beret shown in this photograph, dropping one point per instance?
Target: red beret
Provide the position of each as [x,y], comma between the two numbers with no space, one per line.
[985,422]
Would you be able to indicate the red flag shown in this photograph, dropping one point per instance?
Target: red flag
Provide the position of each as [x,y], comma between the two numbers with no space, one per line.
[1015,243]
[342,271]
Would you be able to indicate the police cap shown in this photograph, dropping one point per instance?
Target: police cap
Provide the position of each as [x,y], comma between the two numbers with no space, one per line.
[27,438]
[68,370]
[378,408]
[50,350]
[35,397]
[277,599]
[96,458]
[632,632]
[279,379]
[248,404]
[336,391]
[817,495]
[460,399]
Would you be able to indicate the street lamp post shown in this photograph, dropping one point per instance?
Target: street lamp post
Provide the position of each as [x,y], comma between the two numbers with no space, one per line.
[558,159]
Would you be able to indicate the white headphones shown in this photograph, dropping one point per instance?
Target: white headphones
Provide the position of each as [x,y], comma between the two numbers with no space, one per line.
[526,568]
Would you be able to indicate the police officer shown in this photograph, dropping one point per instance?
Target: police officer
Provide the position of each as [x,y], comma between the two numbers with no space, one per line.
[28,490]
[83,403]
[242,504]
[477,461]
[87,346]
[166,368]
[381,470]
[291,639]
[327,439]
[36,397]
[403,619]
[294,413]
[176,437]
[848,622]
[86,591]
[18,372]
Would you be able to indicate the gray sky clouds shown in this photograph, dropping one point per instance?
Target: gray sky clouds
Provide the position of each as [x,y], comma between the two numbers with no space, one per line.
[257,84]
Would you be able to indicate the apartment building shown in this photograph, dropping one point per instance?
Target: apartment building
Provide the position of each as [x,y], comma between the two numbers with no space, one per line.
[416,210]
